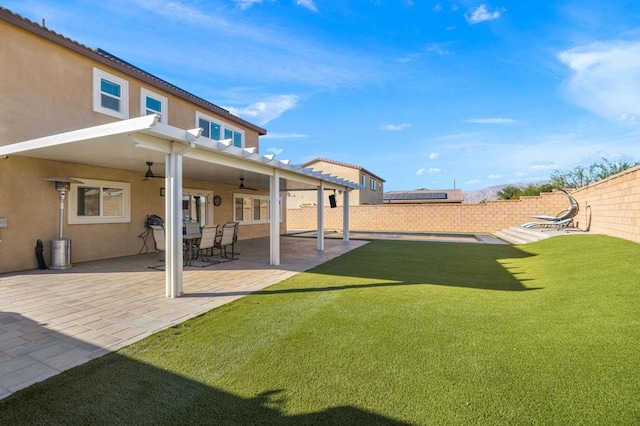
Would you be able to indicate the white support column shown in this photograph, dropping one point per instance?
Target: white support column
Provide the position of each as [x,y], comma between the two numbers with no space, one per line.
[173,225]
[321,217]
[345,216]
[274,215]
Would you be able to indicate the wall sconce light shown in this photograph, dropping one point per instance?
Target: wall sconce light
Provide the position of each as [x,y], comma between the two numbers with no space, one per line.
[162,191]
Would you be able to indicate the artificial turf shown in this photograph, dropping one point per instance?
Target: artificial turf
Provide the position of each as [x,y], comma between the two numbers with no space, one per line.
[394,332]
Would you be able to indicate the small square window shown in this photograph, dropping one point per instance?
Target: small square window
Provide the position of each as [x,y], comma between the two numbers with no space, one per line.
[110,94]
[152,103]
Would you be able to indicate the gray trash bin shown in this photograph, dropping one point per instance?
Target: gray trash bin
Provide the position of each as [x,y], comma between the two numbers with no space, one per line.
[60,254]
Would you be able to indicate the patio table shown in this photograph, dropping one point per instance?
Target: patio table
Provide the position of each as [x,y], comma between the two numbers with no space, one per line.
[189,240]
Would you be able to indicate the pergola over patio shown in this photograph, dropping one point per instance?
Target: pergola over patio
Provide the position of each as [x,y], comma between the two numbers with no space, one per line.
[129,143]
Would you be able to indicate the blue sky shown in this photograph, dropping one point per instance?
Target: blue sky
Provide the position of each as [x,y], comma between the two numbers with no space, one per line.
[421,93]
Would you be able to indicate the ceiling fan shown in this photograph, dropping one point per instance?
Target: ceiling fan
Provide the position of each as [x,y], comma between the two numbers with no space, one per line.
[241,186]
[149,174]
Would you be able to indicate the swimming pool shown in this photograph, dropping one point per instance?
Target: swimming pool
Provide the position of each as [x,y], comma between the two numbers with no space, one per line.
[406,236]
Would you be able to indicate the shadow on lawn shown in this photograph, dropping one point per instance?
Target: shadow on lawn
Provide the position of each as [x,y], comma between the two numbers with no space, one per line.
[401,263]
[119,390]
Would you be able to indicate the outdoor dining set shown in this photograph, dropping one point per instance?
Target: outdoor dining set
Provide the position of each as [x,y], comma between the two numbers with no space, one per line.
[211,244]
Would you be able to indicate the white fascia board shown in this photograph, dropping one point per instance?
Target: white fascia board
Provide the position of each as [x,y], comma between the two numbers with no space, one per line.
[111,129]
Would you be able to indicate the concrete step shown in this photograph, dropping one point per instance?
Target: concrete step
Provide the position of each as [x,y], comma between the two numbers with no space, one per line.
[519,235]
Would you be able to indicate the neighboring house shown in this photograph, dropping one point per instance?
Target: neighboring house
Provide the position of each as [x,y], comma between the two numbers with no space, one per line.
[423,196]
[371,190]
[70,111]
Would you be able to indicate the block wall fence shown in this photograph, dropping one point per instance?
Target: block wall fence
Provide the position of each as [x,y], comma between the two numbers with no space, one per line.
[611,207]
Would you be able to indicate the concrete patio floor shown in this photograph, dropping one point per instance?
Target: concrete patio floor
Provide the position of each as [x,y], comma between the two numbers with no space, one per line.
[51,321]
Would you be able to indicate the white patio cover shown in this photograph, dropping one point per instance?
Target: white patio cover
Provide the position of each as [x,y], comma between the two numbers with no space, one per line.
[128,143]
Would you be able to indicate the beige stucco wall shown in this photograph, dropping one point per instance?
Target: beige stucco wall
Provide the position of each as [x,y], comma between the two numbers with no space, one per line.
[48,89]
[31,207]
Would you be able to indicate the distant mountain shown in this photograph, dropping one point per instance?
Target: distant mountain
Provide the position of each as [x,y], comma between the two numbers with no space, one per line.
[491,193]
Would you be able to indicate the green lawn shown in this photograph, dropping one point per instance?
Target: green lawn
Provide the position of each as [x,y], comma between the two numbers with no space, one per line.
[395,332]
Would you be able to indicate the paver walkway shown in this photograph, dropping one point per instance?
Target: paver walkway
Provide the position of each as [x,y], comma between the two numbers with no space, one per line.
[51,321]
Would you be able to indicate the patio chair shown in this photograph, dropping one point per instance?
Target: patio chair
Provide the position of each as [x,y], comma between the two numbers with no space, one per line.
[159,242]
[191,228]
[563,220]
[204,248]
[227,238]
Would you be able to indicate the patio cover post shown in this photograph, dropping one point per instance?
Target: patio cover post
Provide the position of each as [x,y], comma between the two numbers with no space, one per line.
[274,215]
[321,217]
[345,216]
[173,224]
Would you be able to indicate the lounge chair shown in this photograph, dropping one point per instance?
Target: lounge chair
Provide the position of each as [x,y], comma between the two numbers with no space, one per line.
[563,220]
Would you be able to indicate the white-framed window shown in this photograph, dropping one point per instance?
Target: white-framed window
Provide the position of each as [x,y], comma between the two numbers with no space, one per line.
[99,201]
[252,208]
[363,180]
[217,130]
[152,103]
[110,94]
[374,184]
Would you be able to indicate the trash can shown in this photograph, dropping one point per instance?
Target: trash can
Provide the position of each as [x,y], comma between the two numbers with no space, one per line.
[60,254]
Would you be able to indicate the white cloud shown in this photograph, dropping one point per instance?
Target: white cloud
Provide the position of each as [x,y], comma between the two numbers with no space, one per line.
[420,172]
[276,135]
[605,79]
[494,177]
[395,127]
[434,155]
[543,166]
[434,171]
[245,4]
[308,4]
[492,120]
[481,14]
[265,111]
[473,182]
[437,8]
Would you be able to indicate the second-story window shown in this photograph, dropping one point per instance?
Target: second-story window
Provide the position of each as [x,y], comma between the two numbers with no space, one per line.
[110,94]
[374,184]
[217,130]
[152,103]
[363,180]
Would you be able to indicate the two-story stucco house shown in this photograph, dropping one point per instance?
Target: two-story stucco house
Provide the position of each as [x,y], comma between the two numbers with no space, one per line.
[371,186]
[134,145]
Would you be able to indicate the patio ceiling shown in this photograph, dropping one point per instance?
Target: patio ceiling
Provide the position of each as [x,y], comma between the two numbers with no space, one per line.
[121,145]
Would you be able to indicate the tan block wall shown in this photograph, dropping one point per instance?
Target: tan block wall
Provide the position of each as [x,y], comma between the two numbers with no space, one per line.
[479,218]
[612,205]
